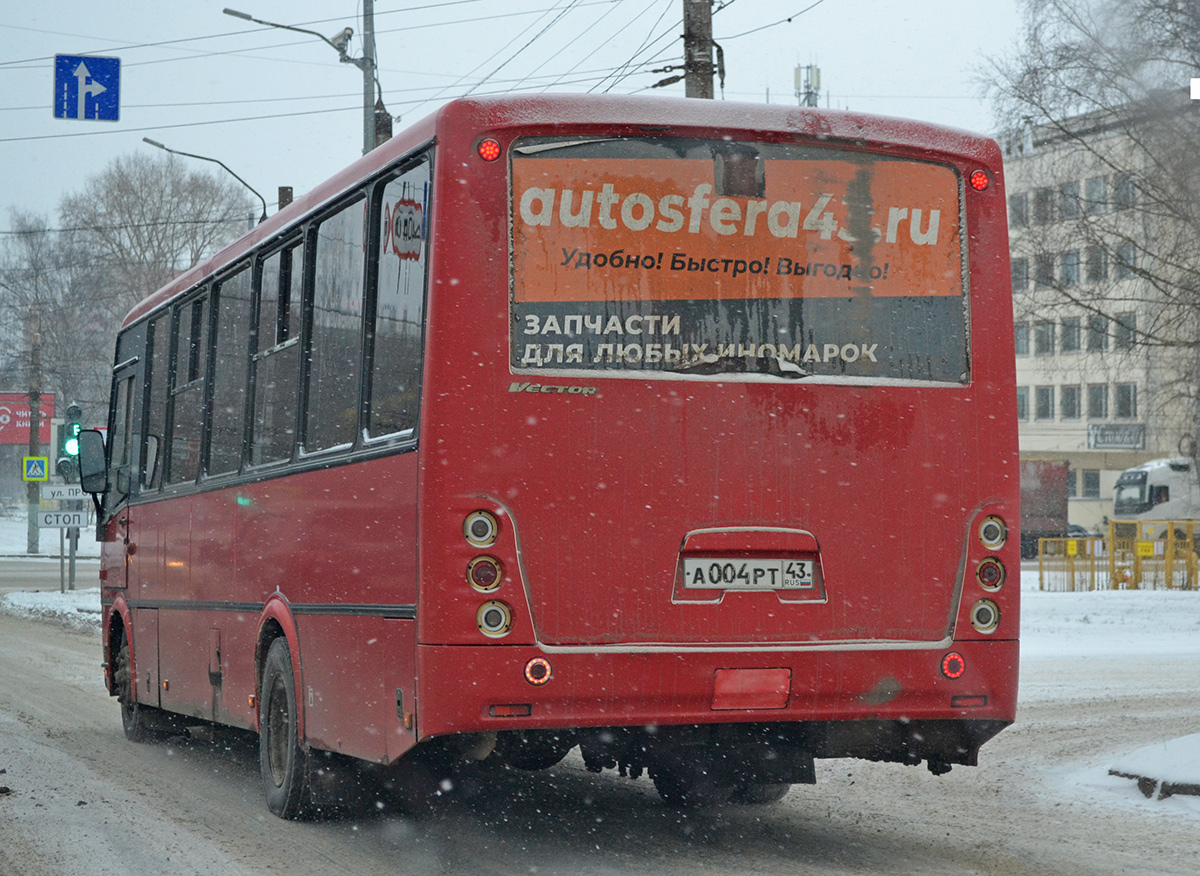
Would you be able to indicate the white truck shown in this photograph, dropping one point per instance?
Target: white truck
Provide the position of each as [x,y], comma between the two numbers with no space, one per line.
[1162,489]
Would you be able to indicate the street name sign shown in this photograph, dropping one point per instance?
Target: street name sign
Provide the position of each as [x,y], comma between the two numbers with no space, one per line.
[62,519]
[87,87]
[62,492]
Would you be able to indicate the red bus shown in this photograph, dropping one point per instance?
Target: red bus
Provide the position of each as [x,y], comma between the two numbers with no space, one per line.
[679,431]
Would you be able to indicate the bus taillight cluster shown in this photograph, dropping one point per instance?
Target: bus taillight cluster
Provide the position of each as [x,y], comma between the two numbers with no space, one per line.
[485,574]
[990,573]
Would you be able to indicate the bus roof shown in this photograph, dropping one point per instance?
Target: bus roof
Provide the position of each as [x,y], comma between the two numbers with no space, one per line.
[620,114]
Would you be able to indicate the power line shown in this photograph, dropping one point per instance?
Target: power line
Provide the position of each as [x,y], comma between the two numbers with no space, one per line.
[787,20]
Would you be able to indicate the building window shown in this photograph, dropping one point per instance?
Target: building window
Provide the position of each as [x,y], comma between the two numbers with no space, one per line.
[1018,210]
[1126,401]
[1068,273]
[1097,341]
[1124,193]
[1023,403]
[1091,484]
[1068,200]
[1097,264]
[1096,199]
[1068,402]
[1044,402]
[1126,260]
[1043,206]
[1071,332]
[1072,483]
[1020,275]
[1021,338]
[1043,339]
[1097,401]
[1125,331]
[1044,272]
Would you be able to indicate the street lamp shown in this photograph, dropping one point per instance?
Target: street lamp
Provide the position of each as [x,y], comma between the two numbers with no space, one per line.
[376,122]
[156,144]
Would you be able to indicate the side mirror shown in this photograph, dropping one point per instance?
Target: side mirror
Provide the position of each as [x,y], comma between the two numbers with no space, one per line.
[93,469]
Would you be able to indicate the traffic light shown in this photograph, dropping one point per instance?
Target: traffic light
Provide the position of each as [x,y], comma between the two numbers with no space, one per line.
[67,465]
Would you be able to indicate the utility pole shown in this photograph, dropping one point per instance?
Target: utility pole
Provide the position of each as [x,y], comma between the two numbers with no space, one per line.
[697,49]
[32,488]
[368,72]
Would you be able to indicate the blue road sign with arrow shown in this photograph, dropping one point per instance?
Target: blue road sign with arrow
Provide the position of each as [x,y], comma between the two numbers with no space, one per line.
[87,87]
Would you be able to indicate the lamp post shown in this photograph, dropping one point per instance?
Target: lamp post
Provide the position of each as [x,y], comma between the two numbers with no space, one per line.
[374,112]
[156,144]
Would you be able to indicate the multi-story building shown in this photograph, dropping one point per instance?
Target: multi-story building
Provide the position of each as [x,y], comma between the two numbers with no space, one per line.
[1095,385]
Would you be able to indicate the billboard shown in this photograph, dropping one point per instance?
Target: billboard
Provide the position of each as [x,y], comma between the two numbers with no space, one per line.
[14,418]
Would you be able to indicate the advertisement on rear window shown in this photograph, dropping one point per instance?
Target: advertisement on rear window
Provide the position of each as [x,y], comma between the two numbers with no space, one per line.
[715,257]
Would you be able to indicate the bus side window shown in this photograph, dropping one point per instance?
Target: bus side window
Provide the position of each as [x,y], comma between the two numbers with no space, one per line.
[399,311]
[276,356]
[187,391]
[156,403]
[230,370]
[335,352]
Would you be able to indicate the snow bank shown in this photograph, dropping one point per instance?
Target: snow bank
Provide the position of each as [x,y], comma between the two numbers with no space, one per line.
[77,609]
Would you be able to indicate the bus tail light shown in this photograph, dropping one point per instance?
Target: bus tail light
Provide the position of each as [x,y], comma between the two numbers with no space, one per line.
[538,671]
[481,529]
[494,619]
[488,149]
[484,573]
[993,533]
[985,616]
[991,574]
[953,665]
[980,180]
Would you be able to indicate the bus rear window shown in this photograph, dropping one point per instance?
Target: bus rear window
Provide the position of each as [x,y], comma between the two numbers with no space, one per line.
[712,257]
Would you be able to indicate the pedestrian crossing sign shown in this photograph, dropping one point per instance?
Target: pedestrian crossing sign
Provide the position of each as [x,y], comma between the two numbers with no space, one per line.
[35,468]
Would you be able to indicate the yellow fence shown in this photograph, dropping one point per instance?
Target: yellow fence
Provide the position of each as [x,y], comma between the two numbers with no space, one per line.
[1132,555]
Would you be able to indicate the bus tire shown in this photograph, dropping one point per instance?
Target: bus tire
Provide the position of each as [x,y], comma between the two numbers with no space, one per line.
[137,720]
[761,793]
[283,761]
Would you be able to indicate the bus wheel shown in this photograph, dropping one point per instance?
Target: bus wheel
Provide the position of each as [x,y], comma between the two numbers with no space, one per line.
[761,793]
[135,717]
[690,786]
[283,762]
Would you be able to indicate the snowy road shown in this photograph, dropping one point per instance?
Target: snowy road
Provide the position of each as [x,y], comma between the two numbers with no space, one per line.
[1103,674]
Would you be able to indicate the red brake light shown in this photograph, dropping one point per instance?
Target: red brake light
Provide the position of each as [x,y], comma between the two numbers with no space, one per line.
[538,671]
[483,573]
[980,180]
[953,665]
[990,573]
[489,149]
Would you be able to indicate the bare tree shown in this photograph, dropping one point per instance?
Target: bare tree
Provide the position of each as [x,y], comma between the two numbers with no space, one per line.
[129,230]
[1099,89]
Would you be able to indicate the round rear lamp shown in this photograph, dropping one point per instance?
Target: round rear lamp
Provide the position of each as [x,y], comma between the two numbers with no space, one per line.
[483,573]
[953,665]
[538,671]
[489,149]
[494,619]
[980,180]
[481,529]
[993,533]
[991,574]
[985,616]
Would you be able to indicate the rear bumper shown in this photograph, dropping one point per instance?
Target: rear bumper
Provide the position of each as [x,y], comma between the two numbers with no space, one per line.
[468,689]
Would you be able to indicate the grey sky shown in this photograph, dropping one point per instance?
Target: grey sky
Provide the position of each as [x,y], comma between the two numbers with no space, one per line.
[279,109]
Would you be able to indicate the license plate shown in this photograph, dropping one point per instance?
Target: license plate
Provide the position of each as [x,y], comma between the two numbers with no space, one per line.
[711,573]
